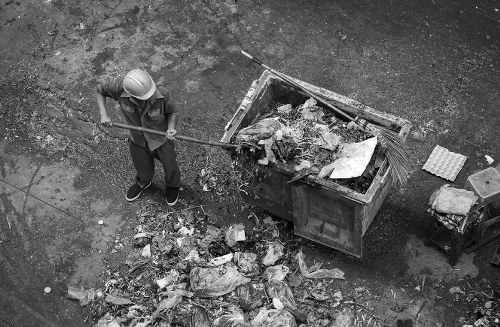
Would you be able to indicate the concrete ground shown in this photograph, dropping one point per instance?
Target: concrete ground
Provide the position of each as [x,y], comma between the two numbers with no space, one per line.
[435,63]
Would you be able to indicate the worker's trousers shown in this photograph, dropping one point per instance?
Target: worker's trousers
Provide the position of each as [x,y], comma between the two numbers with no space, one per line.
[143,159]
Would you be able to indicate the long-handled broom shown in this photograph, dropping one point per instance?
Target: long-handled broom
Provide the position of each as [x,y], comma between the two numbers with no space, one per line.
[396,151]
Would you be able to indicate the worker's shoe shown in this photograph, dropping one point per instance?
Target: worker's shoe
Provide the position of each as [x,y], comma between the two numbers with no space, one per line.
[135,191]
[172,195]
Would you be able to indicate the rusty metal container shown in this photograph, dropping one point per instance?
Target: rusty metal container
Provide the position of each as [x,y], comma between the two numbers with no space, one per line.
[320,209]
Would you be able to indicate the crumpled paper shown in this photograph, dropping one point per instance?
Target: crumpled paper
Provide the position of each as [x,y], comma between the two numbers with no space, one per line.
[354,157]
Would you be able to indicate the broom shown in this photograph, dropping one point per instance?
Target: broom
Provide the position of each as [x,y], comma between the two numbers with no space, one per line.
[396,151]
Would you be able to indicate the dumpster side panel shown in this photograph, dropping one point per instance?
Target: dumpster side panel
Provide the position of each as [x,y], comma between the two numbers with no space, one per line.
[271,192]
[381,186]
[323,216]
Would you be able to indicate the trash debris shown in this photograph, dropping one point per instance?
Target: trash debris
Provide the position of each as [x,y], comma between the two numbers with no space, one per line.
[214,286]
[171,278]
[274,253]
[221,260]
[84,296]
[456,290]
[308,137]
[319,273]
[214,282]
[246,261]
[100,222]
[274,318]
[251,296]
[353,160]
[146,251]
[234,318]
[489,159]
[234,234]
[47,290]
[261,130]
[117,300]
[281,291]
[277,273]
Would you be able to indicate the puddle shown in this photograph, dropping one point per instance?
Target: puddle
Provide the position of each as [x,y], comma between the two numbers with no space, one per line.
[431,262]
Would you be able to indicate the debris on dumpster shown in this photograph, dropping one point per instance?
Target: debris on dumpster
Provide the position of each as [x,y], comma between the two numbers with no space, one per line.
[307,137]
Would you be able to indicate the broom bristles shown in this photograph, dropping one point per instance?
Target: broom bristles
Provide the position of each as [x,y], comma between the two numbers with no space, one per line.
[396,153]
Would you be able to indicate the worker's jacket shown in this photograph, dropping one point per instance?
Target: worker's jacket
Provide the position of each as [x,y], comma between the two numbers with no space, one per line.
[152,115]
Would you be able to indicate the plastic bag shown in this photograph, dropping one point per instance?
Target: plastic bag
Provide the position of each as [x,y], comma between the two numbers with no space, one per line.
[198,318]
[273,254]
[234,318]
[246,261]
[281,291]
[214,282]
[234,234]
[319,273]
[274,318]
[277,272]
[251,296]
[84,296]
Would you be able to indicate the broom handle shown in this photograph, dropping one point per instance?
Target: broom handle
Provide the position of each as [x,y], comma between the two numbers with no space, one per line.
[179,137]
[309,93]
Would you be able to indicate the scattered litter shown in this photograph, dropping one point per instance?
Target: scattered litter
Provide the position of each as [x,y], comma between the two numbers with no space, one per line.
[273,254]
[197,280]
[214,282]
[489,159]
[274,318]
[171,278]
[456,290]
[146,251]
[251,296]
[234,234]
[246,261]
[277,273]
[100,222]
[221,260]
[444,163]
[84,296]
[319,273]
[47,290]
[118,300]
[234,318]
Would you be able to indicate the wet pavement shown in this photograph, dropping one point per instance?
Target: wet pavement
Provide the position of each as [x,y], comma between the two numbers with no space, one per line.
[435,63]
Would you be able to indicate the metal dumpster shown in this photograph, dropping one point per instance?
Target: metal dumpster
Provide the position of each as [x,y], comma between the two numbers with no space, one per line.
[320,209]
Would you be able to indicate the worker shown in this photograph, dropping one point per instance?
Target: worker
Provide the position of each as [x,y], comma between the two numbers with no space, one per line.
[143,104]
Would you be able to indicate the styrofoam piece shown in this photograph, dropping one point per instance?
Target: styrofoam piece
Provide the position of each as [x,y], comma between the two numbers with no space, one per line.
[444,163]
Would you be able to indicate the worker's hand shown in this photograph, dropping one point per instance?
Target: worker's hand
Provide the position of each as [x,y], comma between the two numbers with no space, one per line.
[171,133]
[106,121]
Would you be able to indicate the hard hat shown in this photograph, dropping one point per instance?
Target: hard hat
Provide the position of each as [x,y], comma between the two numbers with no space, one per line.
[139,84]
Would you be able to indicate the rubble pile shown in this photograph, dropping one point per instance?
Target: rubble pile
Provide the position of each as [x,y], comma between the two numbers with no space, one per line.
[483,299]
[183,271]
[312,141]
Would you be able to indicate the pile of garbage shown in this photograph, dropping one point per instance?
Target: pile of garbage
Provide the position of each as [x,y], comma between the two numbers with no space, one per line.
[484,298]
[313,142]
[184,271]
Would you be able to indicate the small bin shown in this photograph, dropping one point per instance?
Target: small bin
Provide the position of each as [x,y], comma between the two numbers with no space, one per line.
[321,210]
[486,185]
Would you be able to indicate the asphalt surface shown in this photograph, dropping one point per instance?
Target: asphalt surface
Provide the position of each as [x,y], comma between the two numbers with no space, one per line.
[435,63]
